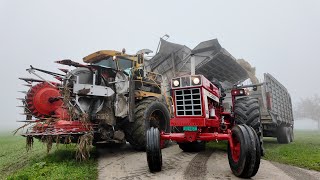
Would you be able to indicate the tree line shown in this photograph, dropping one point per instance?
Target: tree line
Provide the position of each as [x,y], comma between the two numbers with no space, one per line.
[308,107]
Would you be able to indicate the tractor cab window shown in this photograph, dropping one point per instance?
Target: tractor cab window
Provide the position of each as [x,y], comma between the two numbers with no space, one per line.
[108,62]
[123,64]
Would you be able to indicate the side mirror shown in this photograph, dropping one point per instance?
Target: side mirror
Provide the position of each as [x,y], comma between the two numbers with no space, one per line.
[144,51]
[255,88]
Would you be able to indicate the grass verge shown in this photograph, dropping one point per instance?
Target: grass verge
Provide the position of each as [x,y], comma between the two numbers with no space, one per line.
[60,163]
[304,152]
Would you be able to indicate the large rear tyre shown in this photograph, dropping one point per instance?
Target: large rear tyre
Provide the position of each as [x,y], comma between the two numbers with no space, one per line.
[283,135]
[193,146]
[153,149]
[247,111]
[149,112]
[244,156]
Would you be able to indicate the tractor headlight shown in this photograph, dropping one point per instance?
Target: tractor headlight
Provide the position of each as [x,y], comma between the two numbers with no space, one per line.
[175,82]
[196,80]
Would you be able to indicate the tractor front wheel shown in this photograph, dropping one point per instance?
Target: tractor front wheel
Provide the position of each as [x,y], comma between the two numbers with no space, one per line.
[244,151]
[153,149]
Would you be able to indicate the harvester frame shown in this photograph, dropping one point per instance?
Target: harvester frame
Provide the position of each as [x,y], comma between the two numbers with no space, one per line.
[99,100]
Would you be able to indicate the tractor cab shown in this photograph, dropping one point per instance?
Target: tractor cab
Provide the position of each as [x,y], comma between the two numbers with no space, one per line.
[112,59]
[131,65]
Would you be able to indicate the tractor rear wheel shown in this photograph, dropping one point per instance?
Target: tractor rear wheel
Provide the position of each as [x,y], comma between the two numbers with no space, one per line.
[149,112]
[283,135]
[247,111]
[153,149]
[193,146]
[244,156]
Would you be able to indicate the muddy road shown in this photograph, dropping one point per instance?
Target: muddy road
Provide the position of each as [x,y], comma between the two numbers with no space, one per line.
[120,163]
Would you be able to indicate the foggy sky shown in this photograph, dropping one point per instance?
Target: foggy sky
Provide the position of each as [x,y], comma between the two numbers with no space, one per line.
[281,38]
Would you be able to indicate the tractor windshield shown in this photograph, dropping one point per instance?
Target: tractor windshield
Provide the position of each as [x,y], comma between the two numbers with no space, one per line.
[108,62]
[123,64]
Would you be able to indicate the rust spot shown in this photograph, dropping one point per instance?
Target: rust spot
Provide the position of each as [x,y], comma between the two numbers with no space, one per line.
[84,91]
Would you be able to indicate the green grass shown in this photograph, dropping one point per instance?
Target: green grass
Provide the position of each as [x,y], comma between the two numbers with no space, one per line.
[220,145]
[16,163]
[303,152]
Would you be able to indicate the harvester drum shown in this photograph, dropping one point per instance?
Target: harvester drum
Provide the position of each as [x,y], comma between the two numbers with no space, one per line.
[44,100]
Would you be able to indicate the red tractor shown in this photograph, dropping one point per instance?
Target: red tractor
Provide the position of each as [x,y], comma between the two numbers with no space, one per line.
[199,117]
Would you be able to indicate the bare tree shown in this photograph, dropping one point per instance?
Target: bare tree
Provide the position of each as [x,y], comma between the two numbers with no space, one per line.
[309,108]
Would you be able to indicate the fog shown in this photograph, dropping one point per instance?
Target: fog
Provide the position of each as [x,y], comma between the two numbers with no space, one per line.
[281,38]
[306,124]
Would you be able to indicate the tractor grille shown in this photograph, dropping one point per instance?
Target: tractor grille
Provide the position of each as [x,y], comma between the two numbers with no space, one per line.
[188,102]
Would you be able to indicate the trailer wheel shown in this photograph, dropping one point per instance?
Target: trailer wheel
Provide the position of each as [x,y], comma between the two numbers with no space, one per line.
[149,112]
[193,146]
[291,134]
[247,111]
[153,149]
[283,135]
[244,157]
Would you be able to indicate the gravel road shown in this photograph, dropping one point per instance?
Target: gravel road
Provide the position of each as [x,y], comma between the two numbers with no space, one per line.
[124,163]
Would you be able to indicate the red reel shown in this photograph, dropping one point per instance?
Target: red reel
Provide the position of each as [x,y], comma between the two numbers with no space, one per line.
[43,100]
